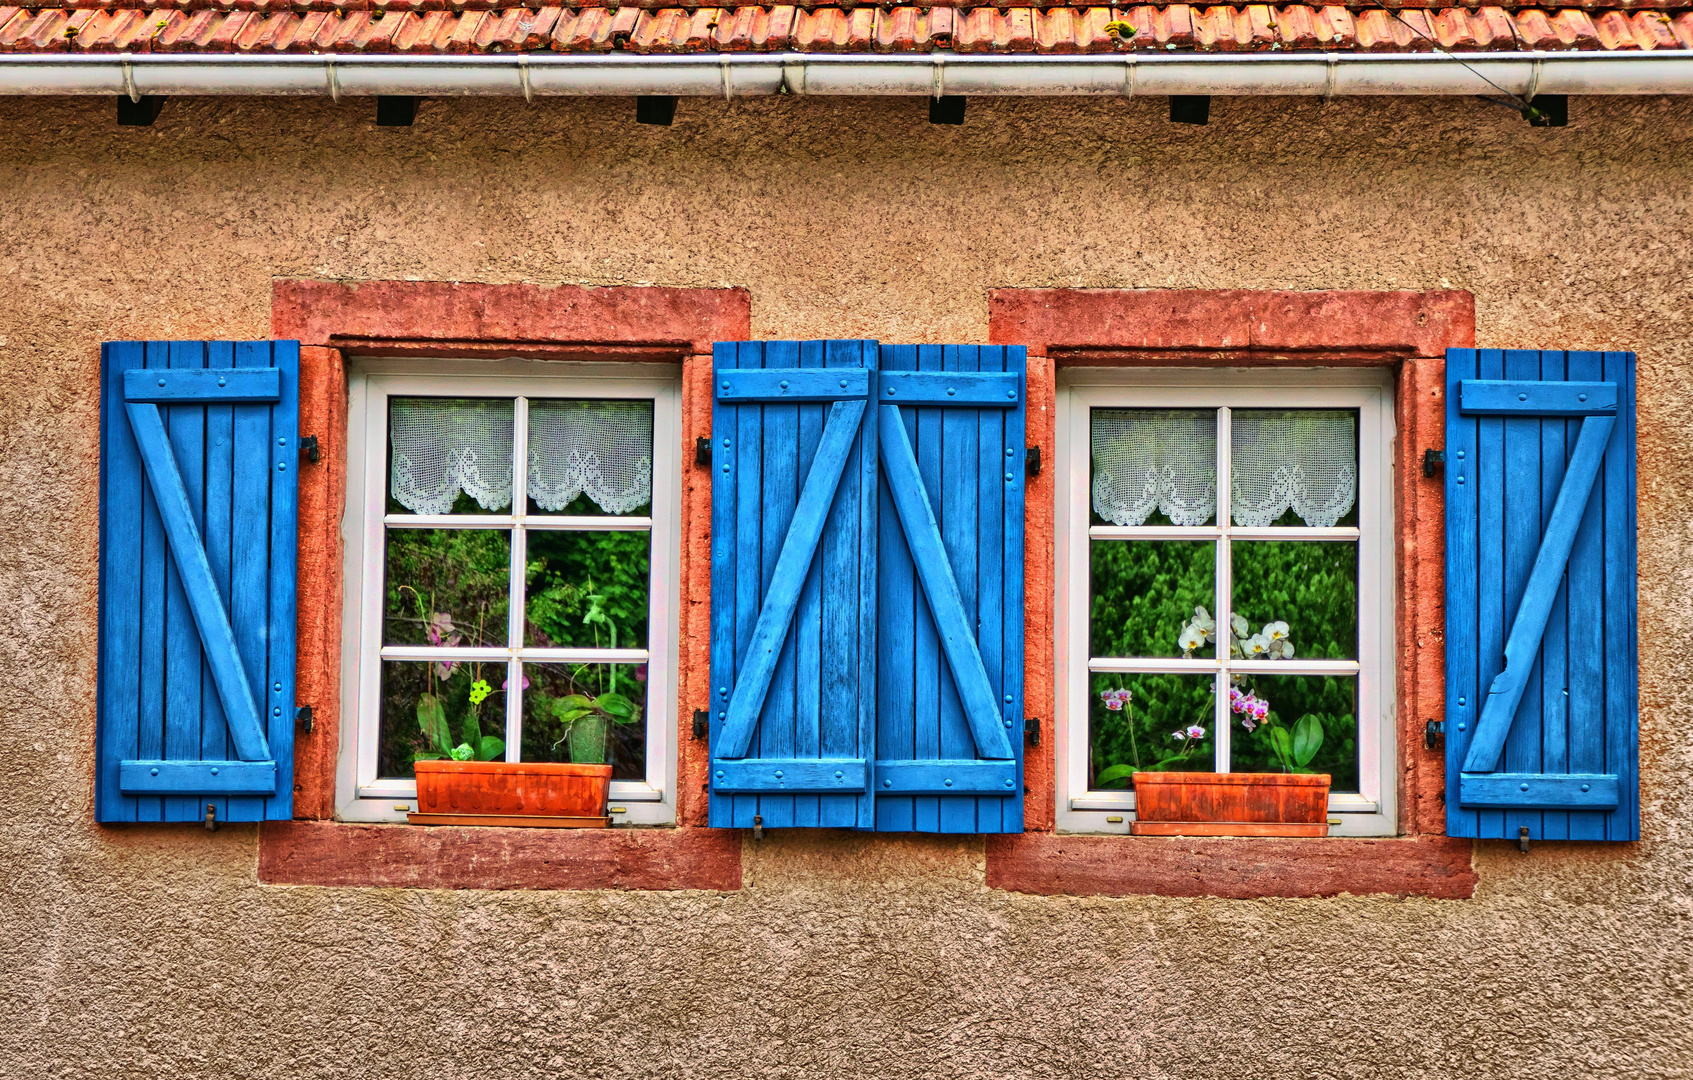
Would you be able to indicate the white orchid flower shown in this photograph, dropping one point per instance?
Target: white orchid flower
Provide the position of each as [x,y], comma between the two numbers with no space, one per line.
[1276,631]
[1287,650]
[1256,647]
[1191,639]
[1242,628]
[1203,622]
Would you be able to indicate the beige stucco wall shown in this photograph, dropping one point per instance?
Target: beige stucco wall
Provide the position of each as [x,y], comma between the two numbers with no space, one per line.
[152,952]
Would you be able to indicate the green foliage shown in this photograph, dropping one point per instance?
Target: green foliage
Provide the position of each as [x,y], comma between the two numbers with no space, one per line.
[465,573]
[588,589]
[1143,595]
[587,721]
[438,736]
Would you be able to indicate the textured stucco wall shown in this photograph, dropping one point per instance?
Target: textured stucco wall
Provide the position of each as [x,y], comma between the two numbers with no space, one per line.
[152,952]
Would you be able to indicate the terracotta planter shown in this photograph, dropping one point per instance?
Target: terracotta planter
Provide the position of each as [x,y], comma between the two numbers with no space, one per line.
[1231,804]
[563,794]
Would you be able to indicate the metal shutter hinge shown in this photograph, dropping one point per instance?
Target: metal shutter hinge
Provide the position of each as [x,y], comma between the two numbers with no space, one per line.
[702,723]
[1434,729]
[303,717]
[702,450]
[1434,462]
[1031,461]
[1031,731]
[308,448]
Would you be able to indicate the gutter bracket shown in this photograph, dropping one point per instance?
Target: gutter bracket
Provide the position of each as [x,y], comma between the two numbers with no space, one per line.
[1534,79]
[129,80]
[728,77]
[334,80]
[1129,74]
[940,76]
[1328,82]
[523,77]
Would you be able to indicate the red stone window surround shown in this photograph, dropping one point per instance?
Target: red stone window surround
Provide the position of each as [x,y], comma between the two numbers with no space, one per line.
[465,319]
[1406,332]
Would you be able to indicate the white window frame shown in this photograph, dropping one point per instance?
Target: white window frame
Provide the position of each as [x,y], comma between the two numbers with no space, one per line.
[360,794]
[1373,811]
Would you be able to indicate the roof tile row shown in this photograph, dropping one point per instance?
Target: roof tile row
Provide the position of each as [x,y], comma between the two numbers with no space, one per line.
[834,29]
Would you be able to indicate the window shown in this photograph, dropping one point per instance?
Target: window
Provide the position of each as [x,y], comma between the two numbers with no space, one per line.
[1196,618]
[511,546]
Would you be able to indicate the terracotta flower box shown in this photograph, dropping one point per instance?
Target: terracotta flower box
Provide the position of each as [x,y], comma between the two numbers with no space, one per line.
[1231,804]
[511,793]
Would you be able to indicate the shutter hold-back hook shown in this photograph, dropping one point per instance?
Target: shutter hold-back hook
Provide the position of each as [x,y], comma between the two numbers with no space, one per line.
[1522,839]
[758,826]
[211,817]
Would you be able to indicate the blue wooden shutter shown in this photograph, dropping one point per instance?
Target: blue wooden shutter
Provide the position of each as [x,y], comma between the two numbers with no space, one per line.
[793,571]
[197,552]
[1540,595]
[949,721]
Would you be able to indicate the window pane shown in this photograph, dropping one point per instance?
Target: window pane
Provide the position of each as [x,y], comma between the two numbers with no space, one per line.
[427,709]
[1134,721]
[1311,587]
[449,455]
[1146,595]
[589,714]
[587,590]
[1294,467]
[1154,466]
[1331,699]
[590,457]
[447,587]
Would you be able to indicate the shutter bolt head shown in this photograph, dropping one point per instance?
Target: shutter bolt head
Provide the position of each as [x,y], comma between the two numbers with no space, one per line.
[1584,787]
[1460,480]
[784,384]
[155,772]
[843,384]
[1581,397]
[221,382]
[720,774]
[1523,786]
[1008,699]
[161,382]
[276,711]
[725,386]
[282,466]
[214,771]
[1460,455]
[1522,397]
[890,391]
[948,781]
[887,783]
[1008,476]
[1010,782]
[950,392]
[1011,395]
[778,774]
[1462,727]
[837,774]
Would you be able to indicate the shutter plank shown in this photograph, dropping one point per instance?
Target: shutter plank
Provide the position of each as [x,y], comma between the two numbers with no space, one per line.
[184,658]
[277,682]
[1013,358]
[1621,659]
[751,573]
[1586,634]
[923,428]
[957,497]
[1524,528]
[215,532]
[989,467]
[1463,702]
[1491,611]
[783,475]
[896,629]
[156,570]
[121,577]
[807,636]
[1553,676]
[725,445]
[249,546]
[840,668]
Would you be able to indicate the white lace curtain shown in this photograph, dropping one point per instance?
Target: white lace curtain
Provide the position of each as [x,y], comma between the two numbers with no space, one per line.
[444,446]
[1166,460]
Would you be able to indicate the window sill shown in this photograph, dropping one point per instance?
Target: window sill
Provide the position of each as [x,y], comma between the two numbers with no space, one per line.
[1239,868]
[462,857]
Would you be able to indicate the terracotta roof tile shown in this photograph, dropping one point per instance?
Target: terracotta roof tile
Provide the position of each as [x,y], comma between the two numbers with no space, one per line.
[673,26]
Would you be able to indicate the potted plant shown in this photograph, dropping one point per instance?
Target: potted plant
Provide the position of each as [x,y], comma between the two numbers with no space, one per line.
[1172,801]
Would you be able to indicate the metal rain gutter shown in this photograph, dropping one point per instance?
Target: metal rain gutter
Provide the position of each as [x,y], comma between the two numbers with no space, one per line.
[730,75]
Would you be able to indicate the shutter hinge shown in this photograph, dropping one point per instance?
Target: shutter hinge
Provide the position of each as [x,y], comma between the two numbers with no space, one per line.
[1031,461]
[1434,462]
[702,450]
[702,723]
[1031,731]
[303,717]
[308,448]
[1434,729]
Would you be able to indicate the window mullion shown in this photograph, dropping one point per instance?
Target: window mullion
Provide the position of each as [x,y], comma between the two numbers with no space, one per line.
[1225,593]
[519,565]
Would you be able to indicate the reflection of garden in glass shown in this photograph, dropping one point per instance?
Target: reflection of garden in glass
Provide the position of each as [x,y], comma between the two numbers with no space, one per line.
[1139,733]
[471,700]
[1310,585]
[1143,592]
[587,590]
[1331,699]
[588,714]
[447,587]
